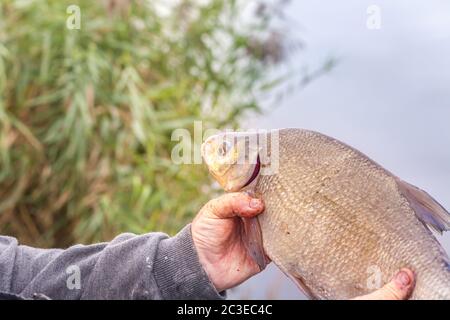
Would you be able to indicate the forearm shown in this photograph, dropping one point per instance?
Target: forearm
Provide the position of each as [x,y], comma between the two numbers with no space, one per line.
[150,266]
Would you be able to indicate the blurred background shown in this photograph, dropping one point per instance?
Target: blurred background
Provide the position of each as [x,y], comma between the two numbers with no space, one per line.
[388,96]
[87,111]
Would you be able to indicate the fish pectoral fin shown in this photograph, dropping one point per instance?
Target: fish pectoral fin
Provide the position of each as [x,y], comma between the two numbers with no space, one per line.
[252,238]
[298,280]
[428,210]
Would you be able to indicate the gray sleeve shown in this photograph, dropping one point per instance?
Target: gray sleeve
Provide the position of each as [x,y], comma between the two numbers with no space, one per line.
[150,266]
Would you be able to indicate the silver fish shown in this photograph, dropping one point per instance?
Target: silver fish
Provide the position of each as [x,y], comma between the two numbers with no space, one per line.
[337,223]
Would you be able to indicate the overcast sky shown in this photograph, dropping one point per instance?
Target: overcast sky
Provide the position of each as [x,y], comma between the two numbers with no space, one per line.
[389,96]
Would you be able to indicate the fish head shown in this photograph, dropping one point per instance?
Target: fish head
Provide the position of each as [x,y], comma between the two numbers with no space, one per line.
[232,159]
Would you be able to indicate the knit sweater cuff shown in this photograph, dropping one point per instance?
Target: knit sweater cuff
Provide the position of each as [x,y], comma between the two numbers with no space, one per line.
[178,271]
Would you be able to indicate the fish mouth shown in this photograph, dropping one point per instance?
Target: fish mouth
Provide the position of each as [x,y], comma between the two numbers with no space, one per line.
[255,172]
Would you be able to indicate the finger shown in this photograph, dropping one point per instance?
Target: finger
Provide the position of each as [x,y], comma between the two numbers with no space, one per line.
[233,204]
[400,288]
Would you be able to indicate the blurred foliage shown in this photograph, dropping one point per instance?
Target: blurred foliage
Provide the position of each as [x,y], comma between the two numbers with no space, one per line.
[86,115]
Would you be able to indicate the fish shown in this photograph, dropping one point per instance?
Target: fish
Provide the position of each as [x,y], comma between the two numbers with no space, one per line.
[335,222]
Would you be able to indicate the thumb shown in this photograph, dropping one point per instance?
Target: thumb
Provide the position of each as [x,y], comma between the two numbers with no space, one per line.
[233,204]
[399,288]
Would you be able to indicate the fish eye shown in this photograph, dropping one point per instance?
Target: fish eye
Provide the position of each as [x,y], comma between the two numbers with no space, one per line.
[224,148]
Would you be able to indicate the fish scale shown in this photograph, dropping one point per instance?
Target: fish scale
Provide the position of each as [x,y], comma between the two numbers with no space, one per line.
[345,215]
[334,221]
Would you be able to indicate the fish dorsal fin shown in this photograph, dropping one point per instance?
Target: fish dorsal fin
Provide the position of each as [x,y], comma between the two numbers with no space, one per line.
[428,210]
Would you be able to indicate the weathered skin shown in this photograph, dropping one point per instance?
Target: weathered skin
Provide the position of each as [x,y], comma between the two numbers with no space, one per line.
[336,222]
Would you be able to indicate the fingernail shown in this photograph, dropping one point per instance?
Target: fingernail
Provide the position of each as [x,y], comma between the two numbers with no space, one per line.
[255,203]
[403,278]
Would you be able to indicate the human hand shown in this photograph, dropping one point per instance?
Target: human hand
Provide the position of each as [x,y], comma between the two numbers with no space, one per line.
[400,288]
[216,233]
